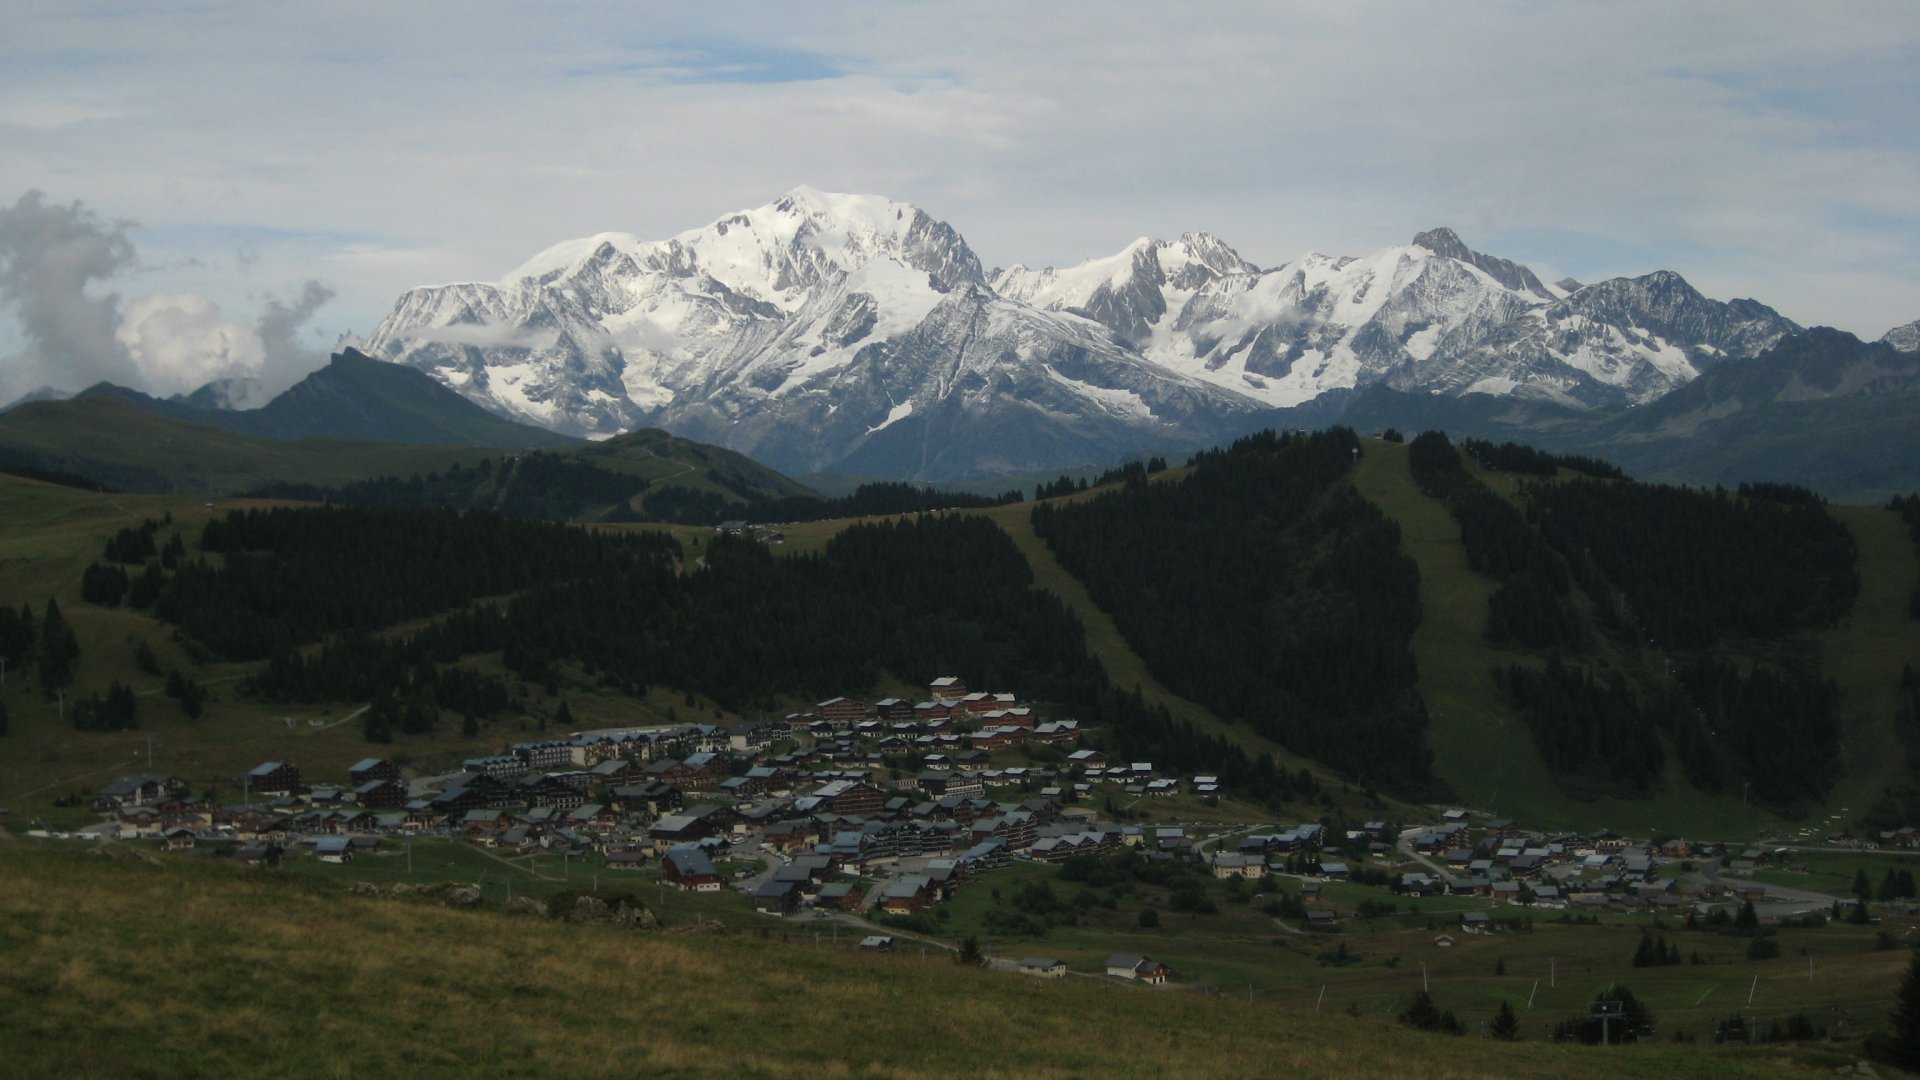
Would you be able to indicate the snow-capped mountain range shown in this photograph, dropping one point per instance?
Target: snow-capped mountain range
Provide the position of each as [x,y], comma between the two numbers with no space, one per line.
[857,334]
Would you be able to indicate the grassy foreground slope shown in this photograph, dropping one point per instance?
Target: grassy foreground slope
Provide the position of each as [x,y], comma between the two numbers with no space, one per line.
[129,969]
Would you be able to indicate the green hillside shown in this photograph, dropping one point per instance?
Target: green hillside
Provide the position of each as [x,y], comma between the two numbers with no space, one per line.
[1485,751]
[358,398]
[124,446]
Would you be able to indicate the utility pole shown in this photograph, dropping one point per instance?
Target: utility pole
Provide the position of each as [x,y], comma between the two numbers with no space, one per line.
[1552,973]
[1423,977]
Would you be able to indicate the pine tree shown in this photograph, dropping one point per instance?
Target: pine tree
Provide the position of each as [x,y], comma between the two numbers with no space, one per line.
[563,716]
[969,954]
[3,719]
[1645,956]
[1505,1024]
[58,649]
[1903,1041]
[1748,921]
[1862,888]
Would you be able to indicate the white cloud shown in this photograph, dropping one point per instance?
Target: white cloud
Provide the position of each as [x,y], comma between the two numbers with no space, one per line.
[179,342]
[1599,139]
[488,335]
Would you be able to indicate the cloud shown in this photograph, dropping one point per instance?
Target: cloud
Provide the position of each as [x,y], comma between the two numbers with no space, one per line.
[49,257]
[1595,139]
[52,259]
[179,342]
[284,359]
[488,335]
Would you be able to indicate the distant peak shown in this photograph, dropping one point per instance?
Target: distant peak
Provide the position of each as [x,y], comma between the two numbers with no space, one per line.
[1447,244]
[1444,241]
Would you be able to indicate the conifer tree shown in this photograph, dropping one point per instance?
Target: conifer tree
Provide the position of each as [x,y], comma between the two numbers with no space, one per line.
[1903,1041]
[1505,1025]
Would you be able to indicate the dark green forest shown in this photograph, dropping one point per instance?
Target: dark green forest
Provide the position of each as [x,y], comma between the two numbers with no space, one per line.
[1689,568]
[305,589]
[1680,571]
[1264,587]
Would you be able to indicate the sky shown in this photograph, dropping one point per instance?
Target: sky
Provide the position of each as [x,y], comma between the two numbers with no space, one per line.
[202,190]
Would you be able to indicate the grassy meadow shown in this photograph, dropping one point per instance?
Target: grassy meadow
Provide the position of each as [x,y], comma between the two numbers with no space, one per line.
[184,968]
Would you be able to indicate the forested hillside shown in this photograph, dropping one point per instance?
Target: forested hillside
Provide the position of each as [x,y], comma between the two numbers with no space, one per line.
[305,589]
[1672,619]
[1265,588]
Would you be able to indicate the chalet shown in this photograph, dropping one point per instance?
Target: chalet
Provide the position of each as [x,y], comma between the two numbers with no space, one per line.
[680,830]
[1476,922]
[140,790]
[997,738]
[926,712]
[877,942]
[1137,968]
[846,797]
[777,897]
[947,688]
[626,860]
[1234,864]
[1421,885]
[653,797]
[1091,759]
[270,777]
[1607,840]
[838,896]
[385,793]
[1321,919]
[1058,731]
[705,770]
[742,788]
[613,771]
[842,710]
[791,836]
[369,769]
[1043,967]
[670,771]
[909,895]
[750,737]
[179,839]
[892,708]
[333,849]
[689,868]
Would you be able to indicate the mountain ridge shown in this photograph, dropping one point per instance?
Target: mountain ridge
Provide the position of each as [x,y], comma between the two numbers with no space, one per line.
[758,330]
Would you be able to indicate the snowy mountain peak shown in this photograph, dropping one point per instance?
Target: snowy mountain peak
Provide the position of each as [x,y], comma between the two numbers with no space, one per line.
[854,332]
[1446,242]
[1904,338]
